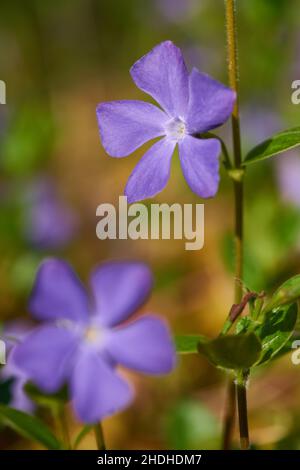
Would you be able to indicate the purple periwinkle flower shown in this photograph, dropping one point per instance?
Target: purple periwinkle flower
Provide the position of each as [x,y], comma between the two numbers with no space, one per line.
[191,104]
[12,333]
[177,10]
[81,342]
[49,222]
[260,121]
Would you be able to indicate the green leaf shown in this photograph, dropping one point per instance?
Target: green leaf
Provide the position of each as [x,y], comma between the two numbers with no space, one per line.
[243,325]
[288,347]
[287,293]
[29,427]
[29,139]
[232,351]
[276,331]
[278,143]
[84,431]
[187,344]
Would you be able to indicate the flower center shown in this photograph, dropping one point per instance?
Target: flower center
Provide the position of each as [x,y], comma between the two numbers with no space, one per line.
[93,334]
[176,129]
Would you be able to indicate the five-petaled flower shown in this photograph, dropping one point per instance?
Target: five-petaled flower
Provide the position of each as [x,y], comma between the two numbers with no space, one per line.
[192,104]
[81,343]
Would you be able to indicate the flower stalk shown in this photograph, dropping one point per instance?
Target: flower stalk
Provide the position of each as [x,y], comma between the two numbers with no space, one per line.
[98,430]
[238,186]
[62,425]
[241,391]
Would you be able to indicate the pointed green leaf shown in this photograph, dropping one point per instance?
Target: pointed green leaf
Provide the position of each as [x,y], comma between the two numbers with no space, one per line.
[287,293]
[288,347]
[278,143]
[243,325]
[232,351]
[29,427]
[276,331]
[187,344]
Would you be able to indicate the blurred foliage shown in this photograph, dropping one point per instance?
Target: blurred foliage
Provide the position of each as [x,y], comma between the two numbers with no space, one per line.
[190,425]
[29,140]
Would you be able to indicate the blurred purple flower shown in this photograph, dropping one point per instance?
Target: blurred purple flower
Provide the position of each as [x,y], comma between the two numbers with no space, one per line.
[12,333]
[192,103]
[198,56]
[288,177]
[49,222]
[259,123]
[82,342]
[176,10]
[295,66]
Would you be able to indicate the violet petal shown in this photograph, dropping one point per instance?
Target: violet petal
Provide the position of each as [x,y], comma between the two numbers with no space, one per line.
[144,345]
[210,103]
[162,74]
[200,164]
[120,288]
[58,293]
[152,173]
[96,390]
[46,356]
[126,125]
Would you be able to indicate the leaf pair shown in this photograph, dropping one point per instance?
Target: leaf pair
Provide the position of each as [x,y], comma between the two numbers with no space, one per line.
[254,343]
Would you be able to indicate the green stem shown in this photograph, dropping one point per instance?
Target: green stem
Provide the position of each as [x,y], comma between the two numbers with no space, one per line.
[229,415]
[241,391]
[236,138]
[238,185]
[99,436]
[61,425]
[64,429]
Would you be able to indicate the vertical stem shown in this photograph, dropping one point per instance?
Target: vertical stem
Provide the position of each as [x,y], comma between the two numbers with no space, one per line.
[232,52]
[99,436]
[233,75]
[65,430]
[62,426]
[229,415]
[243,415]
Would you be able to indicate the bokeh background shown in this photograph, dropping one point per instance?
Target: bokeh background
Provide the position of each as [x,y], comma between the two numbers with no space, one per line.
[59,59]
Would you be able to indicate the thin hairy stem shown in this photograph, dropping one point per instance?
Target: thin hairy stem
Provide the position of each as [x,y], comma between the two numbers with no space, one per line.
[241,390]
[238,186]
[229,415]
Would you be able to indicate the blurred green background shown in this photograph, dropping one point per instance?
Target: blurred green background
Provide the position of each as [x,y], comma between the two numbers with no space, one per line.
[59,59]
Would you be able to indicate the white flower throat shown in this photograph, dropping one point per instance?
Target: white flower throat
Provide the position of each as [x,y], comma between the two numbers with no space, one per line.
[93,334]
[176,129]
